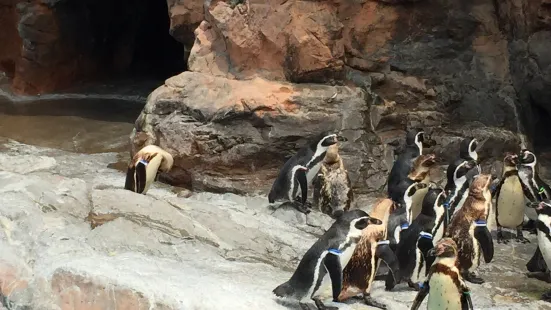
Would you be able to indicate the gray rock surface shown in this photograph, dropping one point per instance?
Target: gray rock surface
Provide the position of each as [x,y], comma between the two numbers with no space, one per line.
[161,251]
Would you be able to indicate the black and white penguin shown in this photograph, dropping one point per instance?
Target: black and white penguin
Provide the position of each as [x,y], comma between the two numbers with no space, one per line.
[535,190]
[332,187]
[457,189]
[142,169]
[329,255]
[510,204]
[415,242]
[311,157]
[444,285]
[543,227]
[415,140]
[469,230]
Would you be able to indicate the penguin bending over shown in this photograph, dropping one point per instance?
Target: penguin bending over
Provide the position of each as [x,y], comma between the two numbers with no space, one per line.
[332,187]
[469,230]
[328,255]
[445,286]
[309,156]
[372,248]
[421,236]
[543,226]
[510,200]
[142,169]
[415,140]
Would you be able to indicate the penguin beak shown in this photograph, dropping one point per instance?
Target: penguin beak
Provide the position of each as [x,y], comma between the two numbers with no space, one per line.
[341,138]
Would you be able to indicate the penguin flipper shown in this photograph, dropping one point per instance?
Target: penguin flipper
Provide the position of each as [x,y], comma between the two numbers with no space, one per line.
[333,265]
[129,183]
[303,182]
[484,238]
[385,253]
[141,176]
[423,292]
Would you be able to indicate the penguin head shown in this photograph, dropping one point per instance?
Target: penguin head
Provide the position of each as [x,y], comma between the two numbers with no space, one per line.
[433,200]
[427,160]
[327,139]
[480,184]
[415,137]
[356,220]
[445,247]
[467,148]
[510,160]
[464,168]
[527,158]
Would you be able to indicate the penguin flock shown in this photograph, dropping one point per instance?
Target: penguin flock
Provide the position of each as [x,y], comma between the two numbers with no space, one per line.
[431,238]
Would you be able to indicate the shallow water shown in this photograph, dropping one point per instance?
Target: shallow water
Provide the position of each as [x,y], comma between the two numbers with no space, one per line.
[87,125]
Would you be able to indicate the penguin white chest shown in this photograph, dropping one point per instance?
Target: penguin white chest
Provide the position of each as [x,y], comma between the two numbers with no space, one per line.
[476,250]
[543,241]
[510,204]
[443,295]
[312,172]
[346,255]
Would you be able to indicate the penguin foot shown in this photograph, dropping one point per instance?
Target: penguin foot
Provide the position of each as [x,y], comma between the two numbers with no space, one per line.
[471,277]
[373,303]
[546,297]
[501,239]
[414,286]
[542,276]
[520,237]
[321,306]
[300,208]
[305,306]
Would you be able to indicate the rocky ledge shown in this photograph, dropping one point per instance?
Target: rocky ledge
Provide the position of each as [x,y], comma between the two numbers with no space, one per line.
[71,238]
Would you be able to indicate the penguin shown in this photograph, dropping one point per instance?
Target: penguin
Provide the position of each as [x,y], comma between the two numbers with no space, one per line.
[535,190]
[418,174]
[543,226]
[415,141]
[142,169]
[457,189]
[332,187]
[444,285]
[467,152]
[372,248]
[510,200]
[468,228]
[328,255]
[421,236]
[309,156]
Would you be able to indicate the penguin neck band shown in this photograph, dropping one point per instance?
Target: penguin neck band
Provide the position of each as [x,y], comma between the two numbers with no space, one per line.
[425,235]
[404,226]
[382,242]
[421,284]
[335,251]
[143,162]
[541,190]
[480,223]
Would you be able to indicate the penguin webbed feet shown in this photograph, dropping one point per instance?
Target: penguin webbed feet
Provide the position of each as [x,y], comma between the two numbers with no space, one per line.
[321,306]
[471,277]
[539,275]
[372,302]
[520,237]
[500,238]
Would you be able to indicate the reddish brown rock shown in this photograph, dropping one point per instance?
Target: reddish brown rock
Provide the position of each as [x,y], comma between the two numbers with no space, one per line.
[185,16]
[11,43]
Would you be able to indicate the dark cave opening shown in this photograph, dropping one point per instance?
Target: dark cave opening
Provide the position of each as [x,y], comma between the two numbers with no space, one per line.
[124,39]
[541,135]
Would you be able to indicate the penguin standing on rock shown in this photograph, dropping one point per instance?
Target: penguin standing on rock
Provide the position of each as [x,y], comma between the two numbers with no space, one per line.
[510,200]
[445,286]
[329,255]
[416,241]
[372,248]
[142,169]
[311,157]
[535,190]
[415,141]
[469,230]
[543,226]
[332,187]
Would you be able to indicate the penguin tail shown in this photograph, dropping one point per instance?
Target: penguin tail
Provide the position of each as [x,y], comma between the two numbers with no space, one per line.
[284,290]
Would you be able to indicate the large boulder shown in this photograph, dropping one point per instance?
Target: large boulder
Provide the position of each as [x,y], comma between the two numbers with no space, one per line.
[234,136]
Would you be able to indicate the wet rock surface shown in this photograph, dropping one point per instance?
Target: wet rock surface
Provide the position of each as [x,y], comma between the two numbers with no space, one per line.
[162,251]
